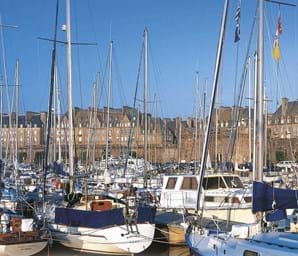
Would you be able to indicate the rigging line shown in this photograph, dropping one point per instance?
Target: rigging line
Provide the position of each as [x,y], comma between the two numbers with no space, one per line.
[276,67]
[103,83]
[49,116]
[100,67]
[6,81]
[237,60]
[120,83]
[234,126]
[134,108]
[157,75]
[78,57]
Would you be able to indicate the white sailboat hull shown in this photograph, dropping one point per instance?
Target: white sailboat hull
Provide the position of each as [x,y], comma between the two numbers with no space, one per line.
[266,244]
[23,248]
[112,240]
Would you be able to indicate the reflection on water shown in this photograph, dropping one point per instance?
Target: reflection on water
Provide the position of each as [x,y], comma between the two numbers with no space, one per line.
[156,249]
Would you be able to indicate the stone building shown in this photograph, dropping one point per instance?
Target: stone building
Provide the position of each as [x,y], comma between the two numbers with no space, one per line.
[169,139]
[283,132]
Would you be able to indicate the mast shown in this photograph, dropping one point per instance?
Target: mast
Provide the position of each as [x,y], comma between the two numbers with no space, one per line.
[108,111]
[145,104]
[213,98]
[1,122]
[49,115]
[17,111]
[96,86]
[249,109]
[179,140]
[255,115]
[54,117]
[204,105]
[196,121]
[58,114]
[260,98]
[216,135]
[69,87]
[30,142]
[155,127]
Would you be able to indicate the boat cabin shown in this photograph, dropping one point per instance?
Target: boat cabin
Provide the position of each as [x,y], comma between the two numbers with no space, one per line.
[181,191]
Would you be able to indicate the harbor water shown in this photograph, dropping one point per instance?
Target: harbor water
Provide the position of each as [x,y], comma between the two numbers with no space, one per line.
[156,249]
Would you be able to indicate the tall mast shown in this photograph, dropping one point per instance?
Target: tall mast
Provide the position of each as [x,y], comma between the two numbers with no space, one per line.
[216,135]
[95,116]
[54,136]
[179,145]
[258,173]
[69,87]
[249,109]
[108,103]
[213,97]
[196,121]
[1,122]
[58,113]
[155,127]
[145,104]
[17,111]
[255,115]
[30,142]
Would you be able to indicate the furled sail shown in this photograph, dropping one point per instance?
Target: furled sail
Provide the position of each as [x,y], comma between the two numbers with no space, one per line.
[266,198]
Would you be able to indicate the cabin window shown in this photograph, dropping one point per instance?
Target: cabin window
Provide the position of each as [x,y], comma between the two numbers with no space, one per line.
[250,253]
[233,182]
[213,183]
[189,183]
[171,183]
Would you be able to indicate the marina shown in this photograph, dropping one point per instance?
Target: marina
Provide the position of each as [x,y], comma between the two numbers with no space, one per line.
[111,177]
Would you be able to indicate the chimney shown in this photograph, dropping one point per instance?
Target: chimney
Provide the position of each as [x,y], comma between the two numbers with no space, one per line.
[190,122]
[284,106]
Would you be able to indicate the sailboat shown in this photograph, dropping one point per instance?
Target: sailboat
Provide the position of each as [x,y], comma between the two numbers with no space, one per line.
[256,238]
[220,195]
[101,223]
[19,235]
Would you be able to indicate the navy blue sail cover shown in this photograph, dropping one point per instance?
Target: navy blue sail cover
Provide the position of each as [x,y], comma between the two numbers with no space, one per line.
[263,197]
[89,219]
[146,214]
[276,215]
[100,219]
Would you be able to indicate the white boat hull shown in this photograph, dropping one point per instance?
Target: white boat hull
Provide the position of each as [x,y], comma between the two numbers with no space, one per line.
[112,240]
[23,248]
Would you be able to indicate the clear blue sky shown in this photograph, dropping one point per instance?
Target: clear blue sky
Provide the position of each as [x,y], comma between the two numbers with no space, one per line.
[183,37]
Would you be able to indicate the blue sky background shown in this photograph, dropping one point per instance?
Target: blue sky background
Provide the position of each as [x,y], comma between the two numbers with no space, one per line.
[183,37]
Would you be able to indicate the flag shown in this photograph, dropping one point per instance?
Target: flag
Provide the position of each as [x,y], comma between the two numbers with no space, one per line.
[276,52]
[279,26]
[237,19]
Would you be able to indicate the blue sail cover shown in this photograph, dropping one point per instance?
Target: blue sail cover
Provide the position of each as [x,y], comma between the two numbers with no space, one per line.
[100,219]
[146,214]
[263,197]
[89,219]
[276,215]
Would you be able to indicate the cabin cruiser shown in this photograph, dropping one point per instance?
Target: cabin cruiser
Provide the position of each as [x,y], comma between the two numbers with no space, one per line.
[223,196]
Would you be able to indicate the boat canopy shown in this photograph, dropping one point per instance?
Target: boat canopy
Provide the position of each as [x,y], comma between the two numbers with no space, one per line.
[266,198]
[100,219]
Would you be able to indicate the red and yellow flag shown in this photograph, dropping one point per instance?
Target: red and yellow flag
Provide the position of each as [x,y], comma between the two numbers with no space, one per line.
[276,50]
